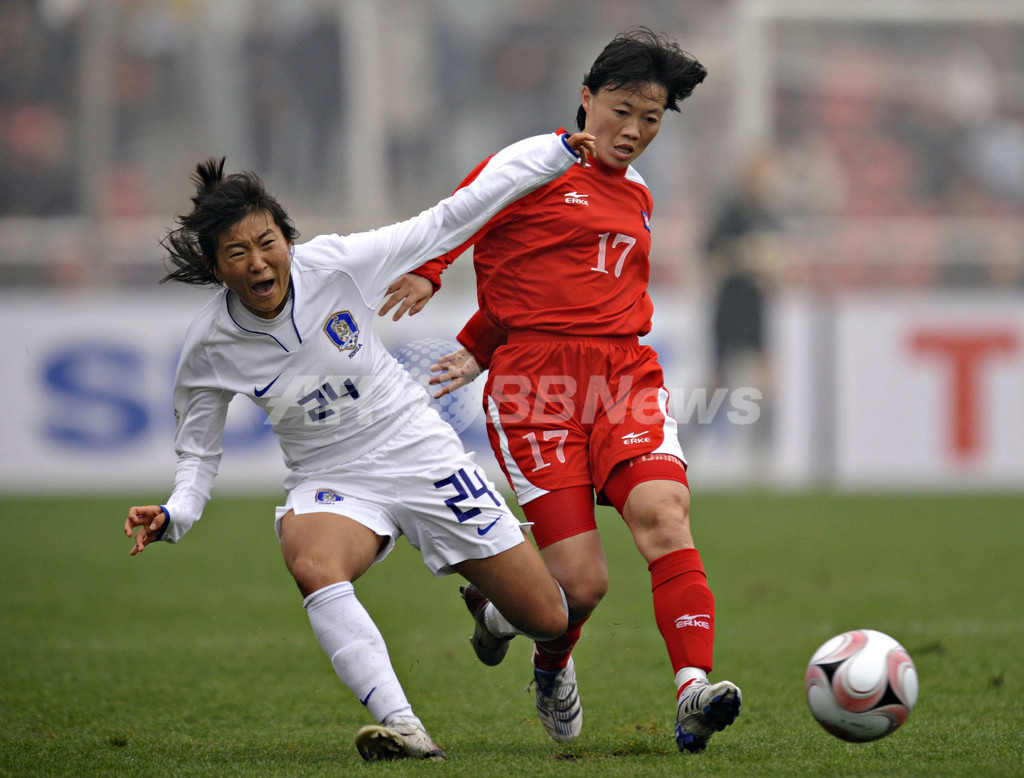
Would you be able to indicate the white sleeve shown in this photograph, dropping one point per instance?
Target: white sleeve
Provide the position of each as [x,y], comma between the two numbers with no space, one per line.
[377,257]
[201,412]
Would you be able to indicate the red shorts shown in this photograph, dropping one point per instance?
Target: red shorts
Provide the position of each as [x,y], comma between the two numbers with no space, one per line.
[564,411]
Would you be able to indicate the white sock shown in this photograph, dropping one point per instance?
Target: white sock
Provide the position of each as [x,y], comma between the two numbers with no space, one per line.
[356,649]
[501,627]
[497,624]
[688,674]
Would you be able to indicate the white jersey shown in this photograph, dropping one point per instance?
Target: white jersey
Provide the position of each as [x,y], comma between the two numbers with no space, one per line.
[319,370]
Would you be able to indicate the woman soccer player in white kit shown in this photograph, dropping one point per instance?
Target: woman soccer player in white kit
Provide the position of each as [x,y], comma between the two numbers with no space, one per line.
[368,459]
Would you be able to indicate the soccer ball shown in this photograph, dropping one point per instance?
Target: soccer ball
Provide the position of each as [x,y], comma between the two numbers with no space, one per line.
[459,408]
[861,685]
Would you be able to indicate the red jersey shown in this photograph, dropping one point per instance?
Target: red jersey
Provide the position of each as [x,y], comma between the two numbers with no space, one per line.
[572,257]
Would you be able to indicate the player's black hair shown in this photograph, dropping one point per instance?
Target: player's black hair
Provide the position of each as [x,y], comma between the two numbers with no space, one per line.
[643,57]
[219,204]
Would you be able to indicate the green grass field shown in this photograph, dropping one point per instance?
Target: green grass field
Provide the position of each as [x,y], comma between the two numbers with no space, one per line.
[197,659]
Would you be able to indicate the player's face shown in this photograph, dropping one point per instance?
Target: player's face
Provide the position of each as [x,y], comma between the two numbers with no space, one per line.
[624,120]
[253,261]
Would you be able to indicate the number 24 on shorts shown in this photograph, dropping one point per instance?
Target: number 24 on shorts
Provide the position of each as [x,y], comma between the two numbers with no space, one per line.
[465,488]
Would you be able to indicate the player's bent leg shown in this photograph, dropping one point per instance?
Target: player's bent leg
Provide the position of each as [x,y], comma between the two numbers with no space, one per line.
[565,529]
[521,589]
[325,552]
[359,656]
[578,563]
[323,548]
[575,555]
[657,513]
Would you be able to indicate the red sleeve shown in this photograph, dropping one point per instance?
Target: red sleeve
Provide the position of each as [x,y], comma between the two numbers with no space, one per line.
[432,269]
[481,336]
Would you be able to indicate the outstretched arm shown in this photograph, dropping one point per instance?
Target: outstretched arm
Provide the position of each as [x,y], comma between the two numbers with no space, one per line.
[201,412]
[376,257]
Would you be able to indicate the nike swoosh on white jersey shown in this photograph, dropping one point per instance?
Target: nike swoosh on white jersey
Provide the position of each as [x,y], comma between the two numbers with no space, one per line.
[260,392]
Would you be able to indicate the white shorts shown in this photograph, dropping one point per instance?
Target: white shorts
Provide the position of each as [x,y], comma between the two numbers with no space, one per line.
[421,484]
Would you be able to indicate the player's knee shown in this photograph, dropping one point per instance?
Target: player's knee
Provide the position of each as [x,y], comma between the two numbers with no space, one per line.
[661,523]
[310,572]
[661,537]
[669,508]
[585,593]
[551,625]
[658,509]
[551,620]
[541,616]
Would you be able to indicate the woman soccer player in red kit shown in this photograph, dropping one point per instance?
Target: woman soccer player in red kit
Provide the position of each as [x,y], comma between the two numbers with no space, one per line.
[575,404]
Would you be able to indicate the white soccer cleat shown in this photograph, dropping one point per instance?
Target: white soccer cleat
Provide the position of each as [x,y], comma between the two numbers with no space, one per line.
[703,710]
[558,702]
[397,739]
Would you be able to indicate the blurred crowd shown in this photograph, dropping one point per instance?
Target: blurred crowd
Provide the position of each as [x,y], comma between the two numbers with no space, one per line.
[915,138]
[895,153]
[37,97]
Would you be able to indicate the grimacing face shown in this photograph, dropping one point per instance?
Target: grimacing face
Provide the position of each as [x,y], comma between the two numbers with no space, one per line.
[624,120]
[254,261]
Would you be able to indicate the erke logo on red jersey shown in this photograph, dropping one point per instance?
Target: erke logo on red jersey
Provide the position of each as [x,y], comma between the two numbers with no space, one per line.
[576,198]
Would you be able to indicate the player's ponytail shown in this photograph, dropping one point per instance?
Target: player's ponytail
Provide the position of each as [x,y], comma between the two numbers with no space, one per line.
[207,176]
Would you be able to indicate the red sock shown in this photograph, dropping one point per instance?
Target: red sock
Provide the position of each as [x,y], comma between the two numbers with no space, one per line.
[684,608]
[554,654]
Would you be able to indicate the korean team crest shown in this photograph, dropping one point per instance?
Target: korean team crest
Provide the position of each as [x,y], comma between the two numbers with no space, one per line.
[343,331]
[328,496]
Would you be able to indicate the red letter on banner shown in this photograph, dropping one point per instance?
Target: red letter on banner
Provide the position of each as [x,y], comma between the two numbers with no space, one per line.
[965,354]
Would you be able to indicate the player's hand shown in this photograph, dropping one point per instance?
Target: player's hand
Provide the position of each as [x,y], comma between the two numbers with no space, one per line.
[584,144]
[410,292]
[458,369]
[149,519]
